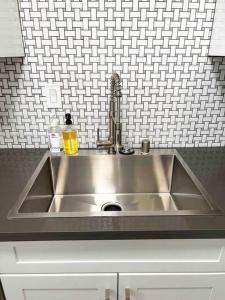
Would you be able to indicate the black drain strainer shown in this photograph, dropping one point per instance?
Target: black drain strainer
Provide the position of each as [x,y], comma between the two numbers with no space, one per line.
[112,207]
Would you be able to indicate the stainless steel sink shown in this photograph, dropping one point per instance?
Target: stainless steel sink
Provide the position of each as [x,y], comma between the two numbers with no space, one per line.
[112,185]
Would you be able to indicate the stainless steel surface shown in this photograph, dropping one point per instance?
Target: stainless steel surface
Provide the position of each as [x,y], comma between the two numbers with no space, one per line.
[145,146]
[78,186]
[113,143]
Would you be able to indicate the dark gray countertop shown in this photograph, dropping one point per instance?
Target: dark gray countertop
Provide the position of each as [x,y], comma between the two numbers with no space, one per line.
[16,167]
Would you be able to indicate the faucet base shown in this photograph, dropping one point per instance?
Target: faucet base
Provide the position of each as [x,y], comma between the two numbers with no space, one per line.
[111,150]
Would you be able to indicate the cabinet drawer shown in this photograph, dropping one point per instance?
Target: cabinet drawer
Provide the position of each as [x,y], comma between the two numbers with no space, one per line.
[113,256]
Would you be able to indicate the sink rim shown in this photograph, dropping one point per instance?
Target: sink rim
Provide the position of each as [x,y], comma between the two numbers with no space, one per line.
[14,212]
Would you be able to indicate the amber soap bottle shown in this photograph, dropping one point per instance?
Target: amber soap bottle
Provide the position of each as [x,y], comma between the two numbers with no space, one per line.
[70,139]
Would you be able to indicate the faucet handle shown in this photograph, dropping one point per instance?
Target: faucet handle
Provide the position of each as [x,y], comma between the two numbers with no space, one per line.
[104,144]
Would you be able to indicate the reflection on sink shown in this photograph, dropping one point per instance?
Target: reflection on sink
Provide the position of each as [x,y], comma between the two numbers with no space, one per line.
[77,186]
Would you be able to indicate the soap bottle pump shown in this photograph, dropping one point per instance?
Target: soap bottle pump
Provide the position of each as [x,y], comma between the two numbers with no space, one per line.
[70,139]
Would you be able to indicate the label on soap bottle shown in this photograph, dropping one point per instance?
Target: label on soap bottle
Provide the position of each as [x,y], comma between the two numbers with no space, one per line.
[54,139]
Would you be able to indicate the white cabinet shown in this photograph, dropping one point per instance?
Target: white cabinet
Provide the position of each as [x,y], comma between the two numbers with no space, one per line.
[11,42]
[217,44]
[132,286]
[119,256]
[60,287]
[114,270]
[160,286]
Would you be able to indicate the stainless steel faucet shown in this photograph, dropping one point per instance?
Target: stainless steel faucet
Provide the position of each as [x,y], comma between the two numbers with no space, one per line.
[113,143]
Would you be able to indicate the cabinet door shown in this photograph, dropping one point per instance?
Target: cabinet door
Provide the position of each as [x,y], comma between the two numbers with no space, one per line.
[60,287]
[217,44]
[172,286]
[10,29]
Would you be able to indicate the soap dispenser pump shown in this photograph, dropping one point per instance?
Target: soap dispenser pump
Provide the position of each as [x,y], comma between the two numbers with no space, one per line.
[70,139]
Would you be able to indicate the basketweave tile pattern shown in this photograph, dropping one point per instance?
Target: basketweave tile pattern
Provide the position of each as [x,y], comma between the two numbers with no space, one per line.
[173,92]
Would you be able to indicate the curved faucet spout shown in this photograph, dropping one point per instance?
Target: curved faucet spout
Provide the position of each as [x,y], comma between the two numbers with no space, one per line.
[115,127]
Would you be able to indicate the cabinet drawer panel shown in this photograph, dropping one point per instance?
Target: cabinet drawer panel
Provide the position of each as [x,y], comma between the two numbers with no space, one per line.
[113,256]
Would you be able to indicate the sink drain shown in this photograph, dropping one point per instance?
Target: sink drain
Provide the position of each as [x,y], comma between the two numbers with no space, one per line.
[112,207]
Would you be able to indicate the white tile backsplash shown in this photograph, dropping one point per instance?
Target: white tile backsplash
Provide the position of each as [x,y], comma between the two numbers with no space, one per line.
[173,92]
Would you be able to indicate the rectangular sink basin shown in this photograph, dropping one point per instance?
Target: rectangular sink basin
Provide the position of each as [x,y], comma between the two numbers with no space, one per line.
[112,185]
